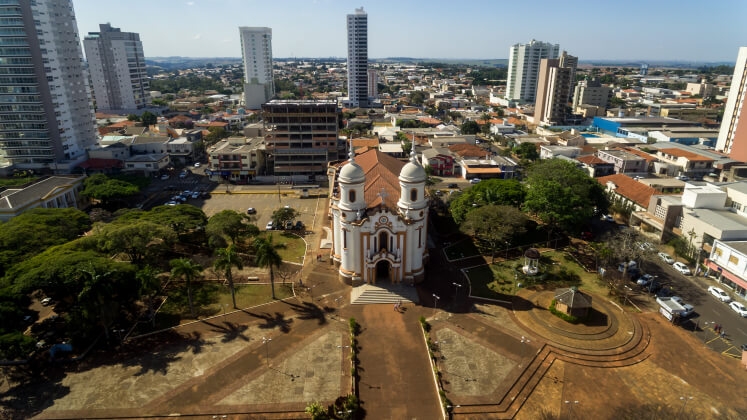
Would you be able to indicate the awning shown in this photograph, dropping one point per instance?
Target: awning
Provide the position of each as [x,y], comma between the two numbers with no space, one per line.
[726,273]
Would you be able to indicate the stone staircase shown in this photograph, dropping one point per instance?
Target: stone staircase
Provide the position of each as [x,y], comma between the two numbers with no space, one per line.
[383,293]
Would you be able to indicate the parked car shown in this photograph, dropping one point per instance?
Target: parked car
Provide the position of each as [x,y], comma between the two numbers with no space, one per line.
[587,236]
[270,226]
[183,175]
[196,194]
[608,218]
[632,265]
[46,301]
[172,203]
[197,164]
[719,294]
[299,225]
[164,177]
[453,185]
[251,210]
[644,280]
[645,246]
[474,180]
[289,225]
[739,308]
[186,192]
[666,258]
[205,194]
[688,308]
[681,267]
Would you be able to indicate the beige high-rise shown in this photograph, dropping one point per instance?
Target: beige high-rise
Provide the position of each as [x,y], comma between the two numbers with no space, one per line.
[554,88]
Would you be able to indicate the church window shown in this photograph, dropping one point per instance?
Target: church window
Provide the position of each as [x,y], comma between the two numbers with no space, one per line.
[382,240]
[420,238]
[351,196]
[345,239]
[414,194]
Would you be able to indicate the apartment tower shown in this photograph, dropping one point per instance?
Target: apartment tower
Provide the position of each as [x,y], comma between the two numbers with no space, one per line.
[591,92]
[523,69]
[358,95]
[554,88]
[256,50]
[732,138]
[46,115]
[116,64]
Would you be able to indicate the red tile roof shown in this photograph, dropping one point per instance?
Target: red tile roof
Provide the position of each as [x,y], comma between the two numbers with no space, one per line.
[382,172]
[364,142]
[591,160]
[685,154]
[430,121]
[468,150]
[629,188]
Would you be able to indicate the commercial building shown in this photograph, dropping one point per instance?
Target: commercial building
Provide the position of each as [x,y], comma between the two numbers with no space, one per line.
[728,263]
[46,117]
[256,50]
[358,77]
[624,162]
[301,138]
[732,138]
[236,159]
[556,79]
[117,66]
[686,135]
[53,192]
[524,67]
[591,92]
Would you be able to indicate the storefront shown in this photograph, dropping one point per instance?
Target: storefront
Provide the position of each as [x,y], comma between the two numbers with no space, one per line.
[728,279]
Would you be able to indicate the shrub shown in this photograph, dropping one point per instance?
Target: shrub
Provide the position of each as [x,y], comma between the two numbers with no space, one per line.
[426,326]
[565,317]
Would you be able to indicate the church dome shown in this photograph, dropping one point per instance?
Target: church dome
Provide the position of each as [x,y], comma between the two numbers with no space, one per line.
[352,173]
[413,171]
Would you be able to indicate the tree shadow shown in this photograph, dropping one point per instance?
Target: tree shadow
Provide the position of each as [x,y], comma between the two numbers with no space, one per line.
[159,361]
[272,321]
[310,310]
[38,386]
[230,330]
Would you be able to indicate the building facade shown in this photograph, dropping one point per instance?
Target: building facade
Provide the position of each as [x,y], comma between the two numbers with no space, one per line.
[524,66]
[117,66]
[301,138]
[373,80]
[256,51]
[379,217]
[728,263]
[236,159]
[46,115]
[554,89]
[591,92]
[55,192]
[358,93]
[732,138]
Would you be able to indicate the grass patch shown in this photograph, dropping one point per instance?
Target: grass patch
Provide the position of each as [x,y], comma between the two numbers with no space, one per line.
[588,281]
[16,181]
[294,248]
[492,281]
[462,249]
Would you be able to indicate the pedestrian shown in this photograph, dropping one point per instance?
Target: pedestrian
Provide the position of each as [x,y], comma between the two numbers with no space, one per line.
[723,333]
[395,306]
[715,328]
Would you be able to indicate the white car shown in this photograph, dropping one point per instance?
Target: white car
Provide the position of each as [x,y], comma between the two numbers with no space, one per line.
[164,177]
[682,268]
[719,294]
[46,301]
[739,308]
[474,180]
[608,218]
[269,226]
[196,194]
[172,203]
[197,164]
[666,258]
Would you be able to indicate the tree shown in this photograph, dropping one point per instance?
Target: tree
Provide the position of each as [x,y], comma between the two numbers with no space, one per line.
[406,147]
[148,118]
[526,151]
[216,134]
[283,215]
[562,195]
[181,219]
[227,259]
[187,270]
[137,239]
[495,226]
[96,296]
[680,247]
[417,97]
[148,286]
[470,127]
[317,411]
[16,345]
[267,256]
[230,224]
[490,191]
[105,189]
[133,117]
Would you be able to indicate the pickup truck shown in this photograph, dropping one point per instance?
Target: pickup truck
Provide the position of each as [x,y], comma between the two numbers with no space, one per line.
[673,307]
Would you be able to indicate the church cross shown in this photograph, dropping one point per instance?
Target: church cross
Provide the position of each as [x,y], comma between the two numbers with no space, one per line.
[383,194]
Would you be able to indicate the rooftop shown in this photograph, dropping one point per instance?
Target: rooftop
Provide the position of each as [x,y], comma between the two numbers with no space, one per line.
[15,198]
[685,154]
[723,220]
[629,188]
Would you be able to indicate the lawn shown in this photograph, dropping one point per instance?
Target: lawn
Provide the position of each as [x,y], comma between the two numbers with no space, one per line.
[492,281]
[589,281]
[294,248]
[12,182]
[462,249]
[209,298]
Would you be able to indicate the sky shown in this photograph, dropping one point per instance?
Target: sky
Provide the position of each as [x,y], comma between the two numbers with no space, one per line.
[683,30]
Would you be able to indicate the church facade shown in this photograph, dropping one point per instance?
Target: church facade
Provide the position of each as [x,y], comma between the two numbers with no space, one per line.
[379,215]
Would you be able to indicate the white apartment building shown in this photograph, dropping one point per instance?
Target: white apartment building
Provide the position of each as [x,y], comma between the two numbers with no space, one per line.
[524,66]
[256,50]
[358,93]
[731,138]
[117,66]
[46,115]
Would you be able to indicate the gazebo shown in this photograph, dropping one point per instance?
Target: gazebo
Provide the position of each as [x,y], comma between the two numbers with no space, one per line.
[531,262]
[571,301]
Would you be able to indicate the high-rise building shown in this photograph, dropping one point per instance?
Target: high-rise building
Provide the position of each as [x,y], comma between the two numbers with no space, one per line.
[301,137]
[46,115]
[256,50]
[358,94]
[117,66]
[523,69]
[373,79]
[644,69]
[591,92]
[732,138]
[556,79]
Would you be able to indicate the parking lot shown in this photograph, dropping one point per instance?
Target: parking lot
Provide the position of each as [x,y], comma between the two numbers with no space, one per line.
[264,203]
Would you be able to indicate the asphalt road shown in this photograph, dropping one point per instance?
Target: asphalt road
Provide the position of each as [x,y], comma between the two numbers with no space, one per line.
[708,309]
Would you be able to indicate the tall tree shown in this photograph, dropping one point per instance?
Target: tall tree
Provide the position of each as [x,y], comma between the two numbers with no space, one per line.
[187,270]
[107,190]
[227,259]
[148,118]
[231,224]
[470,127]
[495,226]
[148,286]
[137,240]
[283,215]
[267,256]
[96,295]
[490,191]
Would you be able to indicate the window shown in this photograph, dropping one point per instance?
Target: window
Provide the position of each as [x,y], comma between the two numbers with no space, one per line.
[718,251]
[734,260]
[382,240]
[420,238]
[351,196]
[345,239]
[414,194]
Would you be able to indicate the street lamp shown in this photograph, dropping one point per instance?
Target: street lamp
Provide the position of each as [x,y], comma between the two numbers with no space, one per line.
[119,332]
[435,301]
[224,305]
[524,340]
[570,408]
[457,286]
[651,285]
[684,403]
[266,342]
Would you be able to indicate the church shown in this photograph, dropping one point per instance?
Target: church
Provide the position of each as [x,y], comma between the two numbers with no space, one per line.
[379,215]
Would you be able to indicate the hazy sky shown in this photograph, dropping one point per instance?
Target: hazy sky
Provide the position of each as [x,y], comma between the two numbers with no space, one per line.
[624,29]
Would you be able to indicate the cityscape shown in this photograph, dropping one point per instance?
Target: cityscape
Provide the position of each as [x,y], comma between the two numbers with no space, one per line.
[258,233]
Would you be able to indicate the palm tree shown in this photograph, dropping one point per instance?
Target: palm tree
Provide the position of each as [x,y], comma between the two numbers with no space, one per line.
[267,256]
[96,293]
[148,286]
[188,270]
[227,259]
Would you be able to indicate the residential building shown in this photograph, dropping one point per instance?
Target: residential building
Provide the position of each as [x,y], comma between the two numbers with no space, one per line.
[393,149]
[488,167]
[358,77]
[524,67]
[440,159]
[596,167]
[638,127]
[548,151]
[624,162]
[53,192]
[628,190]
[301,138]
[47,120]
[702,89]
[256,51]
[236,159]
[691,113]
[373,80]
[728,263]
[732,138]
[149,164]
[554,88]
[677,162]
[590,92]
[117,68]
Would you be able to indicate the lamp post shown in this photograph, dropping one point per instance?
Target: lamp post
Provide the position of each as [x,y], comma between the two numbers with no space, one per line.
[457,286]
[266,342]
[651,285]
[570,408]
[524,340]
[435,301]
[684,403]
[224,305]
[119,332]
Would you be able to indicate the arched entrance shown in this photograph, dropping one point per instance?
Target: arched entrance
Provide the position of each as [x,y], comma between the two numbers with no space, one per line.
[382,270]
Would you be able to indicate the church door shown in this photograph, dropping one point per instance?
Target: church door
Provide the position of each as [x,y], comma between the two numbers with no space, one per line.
[382,270]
